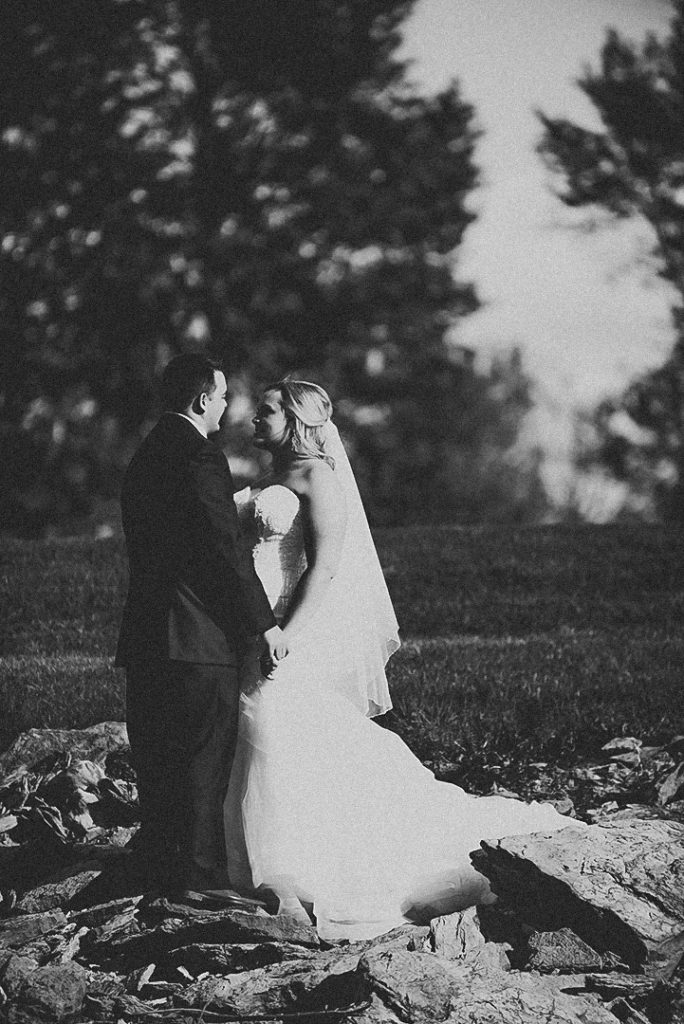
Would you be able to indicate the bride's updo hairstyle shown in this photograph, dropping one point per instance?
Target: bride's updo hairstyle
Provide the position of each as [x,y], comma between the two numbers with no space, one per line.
[307,409]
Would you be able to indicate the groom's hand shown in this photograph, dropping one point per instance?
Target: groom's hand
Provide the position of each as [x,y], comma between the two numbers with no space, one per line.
[275,649]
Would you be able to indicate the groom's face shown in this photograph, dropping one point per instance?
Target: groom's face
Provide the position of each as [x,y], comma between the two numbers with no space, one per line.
[215,404]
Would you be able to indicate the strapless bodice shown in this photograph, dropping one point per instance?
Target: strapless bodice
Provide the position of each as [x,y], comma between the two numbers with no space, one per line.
[278,552]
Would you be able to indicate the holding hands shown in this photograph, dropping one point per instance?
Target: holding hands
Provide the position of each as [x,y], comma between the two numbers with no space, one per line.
[275,649]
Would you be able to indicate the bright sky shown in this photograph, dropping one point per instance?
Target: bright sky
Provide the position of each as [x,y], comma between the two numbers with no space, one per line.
[586,308]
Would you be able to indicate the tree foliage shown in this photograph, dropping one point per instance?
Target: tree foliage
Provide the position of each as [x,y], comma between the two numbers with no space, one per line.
[635,166]
[253,178]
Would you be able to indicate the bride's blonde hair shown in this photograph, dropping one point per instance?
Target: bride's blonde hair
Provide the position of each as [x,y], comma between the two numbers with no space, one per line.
[307,409]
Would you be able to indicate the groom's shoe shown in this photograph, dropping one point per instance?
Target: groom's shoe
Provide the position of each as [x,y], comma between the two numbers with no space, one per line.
[218,899]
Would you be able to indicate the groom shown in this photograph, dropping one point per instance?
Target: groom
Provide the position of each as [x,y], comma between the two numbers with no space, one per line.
[194,602]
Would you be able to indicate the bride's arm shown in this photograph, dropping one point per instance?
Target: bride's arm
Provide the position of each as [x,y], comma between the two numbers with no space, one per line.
[324,525]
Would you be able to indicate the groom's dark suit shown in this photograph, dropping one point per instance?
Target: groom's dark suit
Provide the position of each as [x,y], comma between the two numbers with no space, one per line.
[194,601]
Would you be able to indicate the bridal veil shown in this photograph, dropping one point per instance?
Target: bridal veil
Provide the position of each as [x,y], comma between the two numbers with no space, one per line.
[358,605]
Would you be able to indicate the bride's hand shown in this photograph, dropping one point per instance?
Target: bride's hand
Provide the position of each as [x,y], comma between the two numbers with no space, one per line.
[276,648]
[276,643]
[267,666]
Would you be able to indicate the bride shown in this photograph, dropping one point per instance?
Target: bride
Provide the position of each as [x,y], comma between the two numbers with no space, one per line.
[325,808]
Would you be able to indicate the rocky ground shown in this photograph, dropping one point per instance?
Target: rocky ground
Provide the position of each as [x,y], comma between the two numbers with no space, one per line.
[589,926]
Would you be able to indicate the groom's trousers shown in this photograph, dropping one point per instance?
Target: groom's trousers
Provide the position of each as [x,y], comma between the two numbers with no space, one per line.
[182,726]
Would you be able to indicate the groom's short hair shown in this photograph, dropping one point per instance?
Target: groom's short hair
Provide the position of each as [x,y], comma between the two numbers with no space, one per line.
[185,377]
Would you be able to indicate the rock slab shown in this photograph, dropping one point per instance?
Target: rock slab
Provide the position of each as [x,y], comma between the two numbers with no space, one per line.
[17,931]
[421,988]
[562,951]
[328,980]
[31,747]
[52,993]
[619,885]
[133,947]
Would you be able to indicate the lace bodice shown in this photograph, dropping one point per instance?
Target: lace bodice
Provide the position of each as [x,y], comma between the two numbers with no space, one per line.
[278,552]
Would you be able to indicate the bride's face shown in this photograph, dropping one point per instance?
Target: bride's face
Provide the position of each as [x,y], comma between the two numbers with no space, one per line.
[271,429]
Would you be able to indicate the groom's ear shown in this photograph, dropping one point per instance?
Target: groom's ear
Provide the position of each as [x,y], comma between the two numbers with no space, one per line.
[199,403]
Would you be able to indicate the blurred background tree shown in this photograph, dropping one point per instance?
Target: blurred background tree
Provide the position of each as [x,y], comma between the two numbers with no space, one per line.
[636,167]
[258,180]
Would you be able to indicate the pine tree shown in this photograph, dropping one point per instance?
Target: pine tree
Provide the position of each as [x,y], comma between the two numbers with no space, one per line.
[635,166]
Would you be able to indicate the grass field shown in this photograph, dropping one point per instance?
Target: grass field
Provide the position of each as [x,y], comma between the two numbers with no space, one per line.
[520,644]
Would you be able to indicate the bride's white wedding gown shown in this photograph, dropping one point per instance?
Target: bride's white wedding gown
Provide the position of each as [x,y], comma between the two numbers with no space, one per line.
[328,804]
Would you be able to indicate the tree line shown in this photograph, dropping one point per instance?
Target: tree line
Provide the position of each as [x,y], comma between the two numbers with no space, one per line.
[258,179]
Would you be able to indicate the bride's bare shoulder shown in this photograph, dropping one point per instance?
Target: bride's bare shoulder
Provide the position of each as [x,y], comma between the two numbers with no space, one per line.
[317,472]
[318,480]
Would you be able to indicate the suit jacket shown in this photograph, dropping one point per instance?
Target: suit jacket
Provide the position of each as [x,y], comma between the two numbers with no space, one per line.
[193,592]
